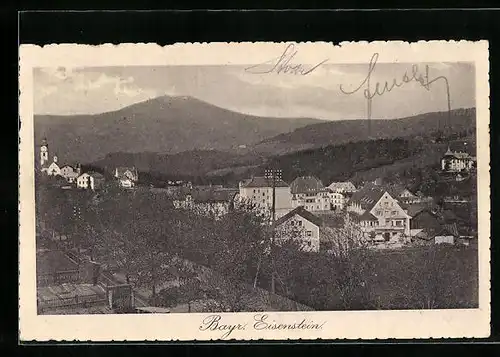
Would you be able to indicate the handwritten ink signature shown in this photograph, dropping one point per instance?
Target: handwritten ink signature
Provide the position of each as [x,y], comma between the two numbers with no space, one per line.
[283,64]
[380,89]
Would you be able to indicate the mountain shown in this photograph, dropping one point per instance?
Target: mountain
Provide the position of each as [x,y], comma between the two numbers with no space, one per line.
[345,131]
[187,163]
[164,125]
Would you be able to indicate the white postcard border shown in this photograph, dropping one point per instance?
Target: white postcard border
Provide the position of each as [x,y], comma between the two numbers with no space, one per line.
[334,325]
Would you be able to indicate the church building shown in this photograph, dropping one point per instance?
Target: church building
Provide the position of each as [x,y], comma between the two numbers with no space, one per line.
[54,167]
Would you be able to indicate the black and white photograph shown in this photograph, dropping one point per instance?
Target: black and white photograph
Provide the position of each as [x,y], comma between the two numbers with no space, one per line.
[269,186]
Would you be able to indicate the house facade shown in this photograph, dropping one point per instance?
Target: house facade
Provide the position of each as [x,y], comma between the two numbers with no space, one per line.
[70,173]
[309,192]
[259,191]
[302,225]
[457,161]
[90,181]
[127,176]
[379,214]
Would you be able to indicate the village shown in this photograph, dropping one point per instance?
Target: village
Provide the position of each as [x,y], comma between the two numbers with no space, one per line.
[382,217]
[389,215]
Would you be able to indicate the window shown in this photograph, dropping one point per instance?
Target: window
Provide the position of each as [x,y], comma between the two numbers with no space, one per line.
[394,213]
[309,234]
[299,223]
[254,190]
[263,193]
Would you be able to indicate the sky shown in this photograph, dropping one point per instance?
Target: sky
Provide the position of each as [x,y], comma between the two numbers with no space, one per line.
[92,90]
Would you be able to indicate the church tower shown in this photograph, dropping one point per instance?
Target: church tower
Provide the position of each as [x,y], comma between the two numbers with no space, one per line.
[44,153]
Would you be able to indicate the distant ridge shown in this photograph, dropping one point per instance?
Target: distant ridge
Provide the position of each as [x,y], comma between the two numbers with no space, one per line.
[164,124]
[344,131]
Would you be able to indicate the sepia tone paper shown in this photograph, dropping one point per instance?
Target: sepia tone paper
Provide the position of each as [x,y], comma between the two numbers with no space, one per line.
[263,58]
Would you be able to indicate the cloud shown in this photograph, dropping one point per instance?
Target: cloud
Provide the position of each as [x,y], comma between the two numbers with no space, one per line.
[75,91]
[97,90]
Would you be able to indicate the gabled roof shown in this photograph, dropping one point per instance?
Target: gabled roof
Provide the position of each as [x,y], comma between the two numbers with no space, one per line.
[260,181]
[367,216]
[70,165]
[396,190]
[416,208]
[305,184]
[368,196]
[96,175]
[120,171]
[342,185]
[302,212]
[449,229]
[460,154]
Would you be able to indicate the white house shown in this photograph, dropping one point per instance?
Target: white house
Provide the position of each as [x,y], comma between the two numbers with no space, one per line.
[379,214]
[259,191]
[309,192]
[127,176]
[53,169]
[454,161]
[70,173]
[90,180]
[300,224]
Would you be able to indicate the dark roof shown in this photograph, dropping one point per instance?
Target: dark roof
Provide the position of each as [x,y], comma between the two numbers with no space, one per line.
[96,175]
[449,229]
[260,181]
[396,190]
[301,211]
[120,171]
[305,184]
[416,208]
[368,196]
[367,216]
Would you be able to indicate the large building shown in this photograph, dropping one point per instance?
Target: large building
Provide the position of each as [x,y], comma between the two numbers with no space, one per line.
[259,191]
[309,192]
[379,214]
[214,202]
[457,161]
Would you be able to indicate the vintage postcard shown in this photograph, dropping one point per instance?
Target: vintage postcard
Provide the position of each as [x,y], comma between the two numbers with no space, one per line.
[245,191]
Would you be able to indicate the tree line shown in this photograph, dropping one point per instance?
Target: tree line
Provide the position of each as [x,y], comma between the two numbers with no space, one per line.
[139,234]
